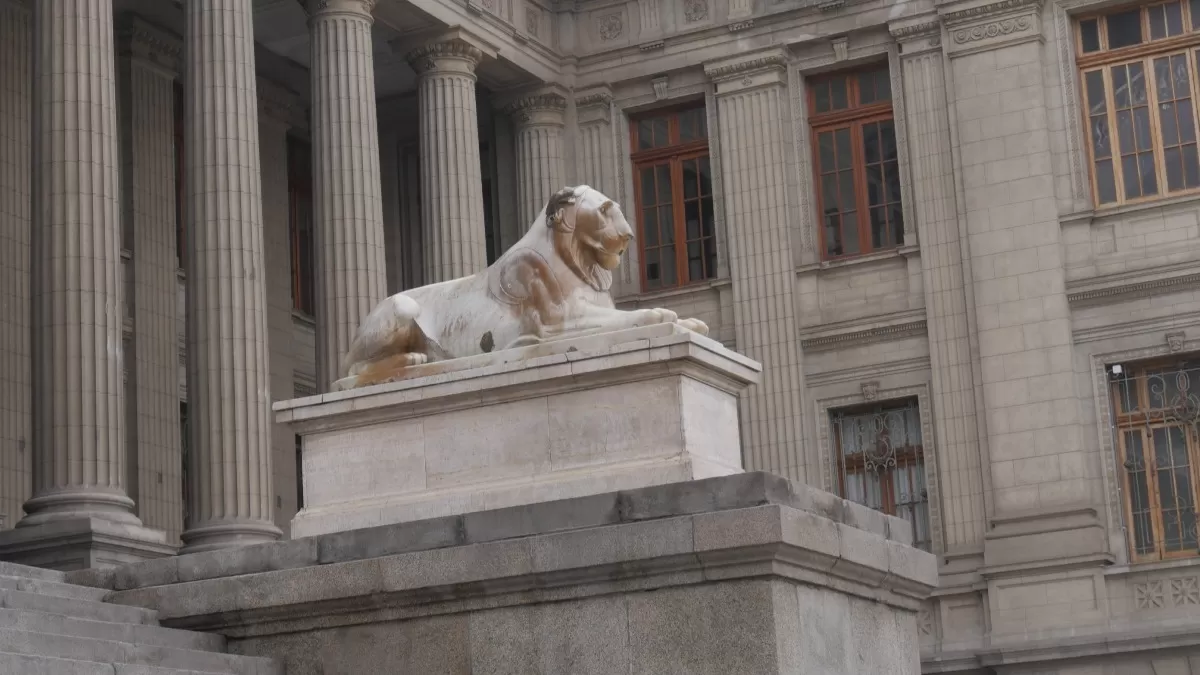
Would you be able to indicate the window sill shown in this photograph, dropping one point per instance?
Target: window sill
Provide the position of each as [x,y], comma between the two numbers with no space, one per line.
[1156,566]
[673,292]
[866,258]
[1127,209]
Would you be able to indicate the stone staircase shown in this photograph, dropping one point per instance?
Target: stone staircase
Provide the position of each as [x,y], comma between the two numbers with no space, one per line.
[48,627]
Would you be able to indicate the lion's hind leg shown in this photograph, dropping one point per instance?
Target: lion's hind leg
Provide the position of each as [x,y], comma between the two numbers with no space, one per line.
[388,341]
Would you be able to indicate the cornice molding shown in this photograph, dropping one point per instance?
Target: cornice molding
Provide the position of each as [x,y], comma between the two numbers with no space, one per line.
[1103,293]
[143,41]
[424,59]
[877,334]
[725,70]
[594,98]
[993,9]
[983,31]
[323,8]
[916,31]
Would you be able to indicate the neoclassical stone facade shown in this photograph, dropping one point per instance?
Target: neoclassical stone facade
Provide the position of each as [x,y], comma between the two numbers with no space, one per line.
[960,236]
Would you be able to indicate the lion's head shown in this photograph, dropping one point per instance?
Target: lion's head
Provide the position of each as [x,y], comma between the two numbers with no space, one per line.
[590,233]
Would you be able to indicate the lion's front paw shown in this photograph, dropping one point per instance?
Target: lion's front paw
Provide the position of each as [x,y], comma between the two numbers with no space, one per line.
[416,359]
[694,325]
[659,315]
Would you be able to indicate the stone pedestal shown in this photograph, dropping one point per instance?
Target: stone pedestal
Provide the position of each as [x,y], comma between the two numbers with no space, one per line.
[584,416]
[744,574]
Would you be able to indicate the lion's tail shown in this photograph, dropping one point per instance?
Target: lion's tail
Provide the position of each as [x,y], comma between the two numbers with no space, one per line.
[390,328]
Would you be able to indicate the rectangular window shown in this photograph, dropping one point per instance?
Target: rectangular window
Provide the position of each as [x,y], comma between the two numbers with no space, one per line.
[1138,69]
[180,185]
[1157,412]
[673,191]
[856,167]
[300,223]
[881,462]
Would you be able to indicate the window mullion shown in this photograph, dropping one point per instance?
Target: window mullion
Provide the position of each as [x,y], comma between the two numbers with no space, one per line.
[1114,142]
[1155,497]
[858,161]
[681,271]
[1153,111]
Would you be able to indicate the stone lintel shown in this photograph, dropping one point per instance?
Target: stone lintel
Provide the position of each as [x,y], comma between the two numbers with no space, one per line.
[746,71]
[82,543]
[592,104]
[149,45]
[728,528]
[917,34]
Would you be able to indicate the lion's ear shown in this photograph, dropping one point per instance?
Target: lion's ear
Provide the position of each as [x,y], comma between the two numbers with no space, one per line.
[559,201]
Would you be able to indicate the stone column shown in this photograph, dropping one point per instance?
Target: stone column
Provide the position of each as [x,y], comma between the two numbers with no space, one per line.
[348,212]
[455,244]
[79,506]
[229,400]
[539,121]
[16,103]
[149,63]
[752,103]
[594,140]
[279,110]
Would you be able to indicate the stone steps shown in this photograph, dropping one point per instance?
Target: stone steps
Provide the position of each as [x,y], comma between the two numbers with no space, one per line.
[49,627]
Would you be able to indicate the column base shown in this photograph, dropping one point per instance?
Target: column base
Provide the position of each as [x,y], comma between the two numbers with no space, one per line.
[82,543]
[228,534]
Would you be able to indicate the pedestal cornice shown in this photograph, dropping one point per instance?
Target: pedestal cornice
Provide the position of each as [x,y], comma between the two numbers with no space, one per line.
[145,42]
[917,34]
[592,105]
[322,8]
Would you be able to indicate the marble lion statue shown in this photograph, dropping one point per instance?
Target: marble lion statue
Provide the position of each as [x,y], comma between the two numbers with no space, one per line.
[553,284]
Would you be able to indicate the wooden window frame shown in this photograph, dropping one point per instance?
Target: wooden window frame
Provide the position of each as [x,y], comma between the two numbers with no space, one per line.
[908,455]
[1187,43]
[674,154]
[1144,421]
[855,116]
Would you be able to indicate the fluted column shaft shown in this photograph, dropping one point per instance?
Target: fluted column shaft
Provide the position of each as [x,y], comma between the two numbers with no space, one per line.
[539,122]
[148,64]
[78,398]
[350,267]
[595,160]
[16,105]
[752,101]
[954,392]
[229,400]
[454,241]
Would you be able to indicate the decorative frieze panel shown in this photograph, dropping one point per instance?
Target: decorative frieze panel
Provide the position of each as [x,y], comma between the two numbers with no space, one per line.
[989,26]
[1173,593]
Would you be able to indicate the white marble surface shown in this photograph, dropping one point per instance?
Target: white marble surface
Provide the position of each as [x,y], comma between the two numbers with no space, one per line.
[607,412]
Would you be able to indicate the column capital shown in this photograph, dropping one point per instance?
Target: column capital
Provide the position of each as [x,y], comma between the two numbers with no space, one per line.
[322,8]
[148,44]
[744,71]
[280,104]
[543,106]
[592,104]
[917,34]
[453,54]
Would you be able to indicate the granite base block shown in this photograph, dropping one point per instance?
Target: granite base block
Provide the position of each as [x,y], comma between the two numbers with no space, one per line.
[743,574]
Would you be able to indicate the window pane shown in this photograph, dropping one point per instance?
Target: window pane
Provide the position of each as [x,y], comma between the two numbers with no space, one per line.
[1158,22]
[1124,29]
[690,179]
[1191,167]
[691,214]
[897,219]
[662,176]
[653,270]
[874,185]
[833,234]
[710,258]
[883,85]
[1194,8]
[1106,182]
[650,225]
[850,233]
[846,196]
[825,152]
[705,177]
[821,96]
[871,142]
[706,210]
[666,224]
[668,266]
[695,257]
[1089,32]
[842,142]
[648,194]
[829,193]
[1149,180]
[1173,162]
[661,137]
[887,140]
[645,135]
[879,227]
[1139,493]
[1094,84]
[866,88]
[838,95]
[1174,19]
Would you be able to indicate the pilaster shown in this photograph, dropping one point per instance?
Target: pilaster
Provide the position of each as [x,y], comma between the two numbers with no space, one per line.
[751,97]
[539,120]
[229,400]
[351,274]
[279,110]
[593,111]
[1035,441]
[149,63]
[453,237]
[16,105]
[77,390]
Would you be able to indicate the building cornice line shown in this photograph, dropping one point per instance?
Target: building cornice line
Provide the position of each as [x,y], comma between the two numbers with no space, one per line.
[892,332]
[1135,288]
[983,11]
[730,69]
